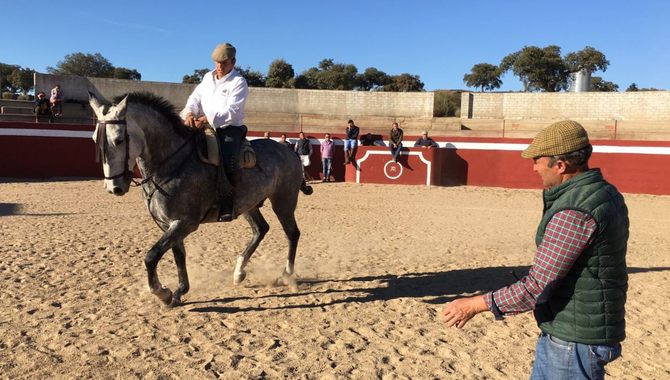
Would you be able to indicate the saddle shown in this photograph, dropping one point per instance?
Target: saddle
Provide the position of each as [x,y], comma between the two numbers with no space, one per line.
[208,149]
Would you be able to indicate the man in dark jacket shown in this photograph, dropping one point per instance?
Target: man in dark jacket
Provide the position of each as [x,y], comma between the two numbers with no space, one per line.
[303,147]
[395,141]
[578,282]
[350,141]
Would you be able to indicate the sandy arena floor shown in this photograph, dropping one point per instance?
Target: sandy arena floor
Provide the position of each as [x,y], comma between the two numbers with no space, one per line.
[376,264]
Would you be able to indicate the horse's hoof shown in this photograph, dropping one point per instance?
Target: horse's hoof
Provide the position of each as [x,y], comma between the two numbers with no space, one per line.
[165,295]
[176,302]
[288,280]
[239,277]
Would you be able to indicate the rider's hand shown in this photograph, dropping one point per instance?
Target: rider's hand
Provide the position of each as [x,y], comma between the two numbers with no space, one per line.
[200,122]
[190,120]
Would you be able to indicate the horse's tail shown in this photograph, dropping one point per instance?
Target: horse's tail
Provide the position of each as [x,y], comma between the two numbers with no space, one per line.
[305,188]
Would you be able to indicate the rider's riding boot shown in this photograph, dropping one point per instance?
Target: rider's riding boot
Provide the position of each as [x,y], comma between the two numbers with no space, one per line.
[226,209]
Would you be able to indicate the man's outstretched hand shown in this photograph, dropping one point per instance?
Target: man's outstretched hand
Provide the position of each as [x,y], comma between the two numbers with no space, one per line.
[458,312]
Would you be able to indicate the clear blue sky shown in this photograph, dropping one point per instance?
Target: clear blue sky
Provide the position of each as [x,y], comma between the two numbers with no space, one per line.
[438,40]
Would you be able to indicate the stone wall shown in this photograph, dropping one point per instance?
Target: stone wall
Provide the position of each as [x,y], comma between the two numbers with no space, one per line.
[639,105]
[344,104]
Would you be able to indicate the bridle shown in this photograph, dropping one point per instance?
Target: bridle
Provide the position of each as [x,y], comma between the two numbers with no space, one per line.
[102,144]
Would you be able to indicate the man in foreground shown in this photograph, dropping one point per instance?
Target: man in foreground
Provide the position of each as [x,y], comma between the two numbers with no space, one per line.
[577,284]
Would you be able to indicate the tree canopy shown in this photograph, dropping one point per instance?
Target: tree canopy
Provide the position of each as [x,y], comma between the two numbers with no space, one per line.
[598,84]
[196,77]
[280,74]
[588,58]
[5,74]
[483,75]
[254,78]
[538,68]
[92,65]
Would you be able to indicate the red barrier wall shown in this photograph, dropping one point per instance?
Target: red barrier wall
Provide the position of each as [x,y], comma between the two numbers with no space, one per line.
[29,150]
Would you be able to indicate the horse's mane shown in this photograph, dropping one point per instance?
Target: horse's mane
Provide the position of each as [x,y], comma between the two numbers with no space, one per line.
[159,105]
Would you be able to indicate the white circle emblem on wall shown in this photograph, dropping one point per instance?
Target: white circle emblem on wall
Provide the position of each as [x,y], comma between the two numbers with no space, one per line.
[392,170]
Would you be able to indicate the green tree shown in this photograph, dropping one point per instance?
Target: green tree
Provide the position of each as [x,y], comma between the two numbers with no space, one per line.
[328,76]
[254,78]
[588,58]
[632,87]
[598,84]
[280,74]
[124,73]
[196,77]
[538,68]
[372,79]
[22,79]
[483,75]
[404,83]
[85,65]
[5,72]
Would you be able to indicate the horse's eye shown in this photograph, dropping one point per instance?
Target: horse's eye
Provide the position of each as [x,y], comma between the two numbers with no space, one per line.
[118,141]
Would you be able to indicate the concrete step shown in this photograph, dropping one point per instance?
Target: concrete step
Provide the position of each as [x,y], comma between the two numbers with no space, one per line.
[16,110]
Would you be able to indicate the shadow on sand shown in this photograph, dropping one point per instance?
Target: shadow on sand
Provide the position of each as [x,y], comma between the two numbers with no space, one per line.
[434,288]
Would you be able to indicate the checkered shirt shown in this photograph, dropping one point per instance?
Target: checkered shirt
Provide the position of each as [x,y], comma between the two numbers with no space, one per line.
[566,236]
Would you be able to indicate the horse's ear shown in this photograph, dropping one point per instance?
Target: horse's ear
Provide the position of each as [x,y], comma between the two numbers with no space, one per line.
[95,104]
[121,107]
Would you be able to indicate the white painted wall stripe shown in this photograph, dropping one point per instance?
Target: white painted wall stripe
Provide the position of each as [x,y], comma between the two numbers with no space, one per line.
[44,133]
[658,150]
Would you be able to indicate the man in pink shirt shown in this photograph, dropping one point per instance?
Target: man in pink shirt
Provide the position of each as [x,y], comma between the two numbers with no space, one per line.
[327,156]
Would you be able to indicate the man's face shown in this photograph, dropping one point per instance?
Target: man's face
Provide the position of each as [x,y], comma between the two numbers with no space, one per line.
[425,136]
[551,176]
[223,68]
[301,135]
[282,138]
[327,136]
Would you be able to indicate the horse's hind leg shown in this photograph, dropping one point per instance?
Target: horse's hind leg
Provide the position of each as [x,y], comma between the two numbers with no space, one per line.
[179,253]
[259,227]
[286,213]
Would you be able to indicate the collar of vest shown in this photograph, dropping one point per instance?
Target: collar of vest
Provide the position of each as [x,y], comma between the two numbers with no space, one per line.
[588,177]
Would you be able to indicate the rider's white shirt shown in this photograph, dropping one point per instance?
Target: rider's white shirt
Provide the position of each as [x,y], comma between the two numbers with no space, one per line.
[222,100]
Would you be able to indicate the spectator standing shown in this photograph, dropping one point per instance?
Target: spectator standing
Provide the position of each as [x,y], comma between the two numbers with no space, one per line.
[578,282]
[327,156]
[425,142]
[395,141]
[56,101]
[282,140]
[266,135]
[350,141]
[303,147]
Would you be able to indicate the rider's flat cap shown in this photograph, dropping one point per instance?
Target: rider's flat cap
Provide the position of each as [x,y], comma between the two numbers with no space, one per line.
[559,138]
[223,51]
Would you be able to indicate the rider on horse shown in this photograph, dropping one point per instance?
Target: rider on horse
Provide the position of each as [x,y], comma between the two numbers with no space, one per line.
[219,101]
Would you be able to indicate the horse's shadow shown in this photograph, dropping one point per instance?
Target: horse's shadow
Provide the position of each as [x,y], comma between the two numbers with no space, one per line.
[432,288]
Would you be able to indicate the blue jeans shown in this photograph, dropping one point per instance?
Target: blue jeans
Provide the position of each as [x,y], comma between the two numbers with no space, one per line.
[558,359]
[327,163]
[395,152]
[350,144]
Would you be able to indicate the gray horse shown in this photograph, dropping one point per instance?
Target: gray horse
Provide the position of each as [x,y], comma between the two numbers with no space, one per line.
[179,189]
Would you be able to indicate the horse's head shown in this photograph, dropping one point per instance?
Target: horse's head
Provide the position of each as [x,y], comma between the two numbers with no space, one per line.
[114,143]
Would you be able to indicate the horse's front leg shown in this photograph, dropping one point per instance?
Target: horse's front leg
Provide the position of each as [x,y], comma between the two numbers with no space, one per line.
[179,253]
[174,235]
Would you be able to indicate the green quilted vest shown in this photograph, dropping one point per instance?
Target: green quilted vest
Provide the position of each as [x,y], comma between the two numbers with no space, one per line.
[587,306]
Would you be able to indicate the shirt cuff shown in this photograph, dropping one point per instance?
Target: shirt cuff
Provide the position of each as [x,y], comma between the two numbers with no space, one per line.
[491,304]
